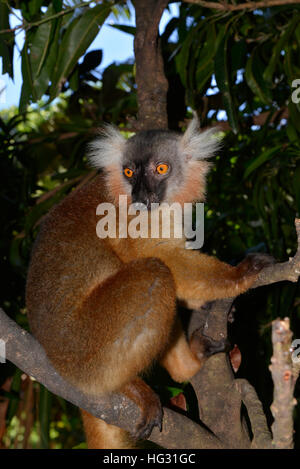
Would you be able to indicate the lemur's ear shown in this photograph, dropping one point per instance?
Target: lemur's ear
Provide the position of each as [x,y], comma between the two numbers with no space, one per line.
[108,149]
[197,145]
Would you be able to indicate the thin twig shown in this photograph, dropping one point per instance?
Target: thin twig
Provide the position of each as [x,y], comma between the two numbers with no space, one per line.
[26,25]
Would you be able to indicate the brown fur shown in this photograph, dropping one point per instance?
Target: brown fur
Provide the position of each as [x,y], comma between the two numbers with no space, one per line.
[105,309]
[100,435]
[115,182]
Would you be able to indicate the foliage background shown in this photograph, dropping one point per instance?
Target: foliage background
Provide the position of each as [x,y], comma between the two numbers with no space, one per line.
[236,66]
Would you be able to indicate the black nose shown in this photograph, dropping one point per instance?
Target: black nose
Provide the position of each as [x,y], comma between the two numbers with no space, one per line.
[141,199]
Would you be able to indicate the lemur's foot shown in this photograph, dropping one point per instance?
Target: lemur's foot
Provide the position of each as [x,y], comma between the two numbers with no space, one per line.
[152,415]
[204,346]
[150,406]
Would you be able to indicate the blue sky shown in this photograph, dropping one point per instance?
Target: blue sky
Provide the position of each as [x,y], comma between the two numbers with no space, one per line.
[116,46]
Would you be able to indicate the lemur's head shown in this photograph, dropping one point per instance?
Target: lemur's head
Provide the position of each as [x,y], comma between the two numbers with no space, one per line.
[156,166]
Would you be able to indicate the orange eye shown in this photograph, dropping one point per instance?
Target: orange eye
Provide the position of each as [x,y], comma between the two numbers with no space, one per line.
[128,172]
[162,168]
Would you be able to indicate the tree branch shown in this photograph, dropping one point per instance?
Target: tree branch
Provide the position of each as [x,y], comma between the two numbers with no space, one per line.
[218,398]
[152,84]
[279,272]
[26,353]
[284,384]
[179,432]
[262,438]
[224,6]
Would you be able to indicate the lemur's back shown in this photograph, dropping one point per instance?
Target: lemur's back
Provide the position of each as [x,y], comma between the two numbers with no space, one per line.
[68,261]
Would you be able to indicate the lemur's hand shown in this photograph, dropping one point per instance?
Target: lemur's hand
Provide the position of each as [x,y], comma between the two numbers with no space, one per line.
[254,263]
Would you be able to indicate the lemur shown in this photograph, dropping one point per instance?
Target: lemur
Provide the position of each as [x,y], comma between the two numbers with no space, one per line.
[105,309]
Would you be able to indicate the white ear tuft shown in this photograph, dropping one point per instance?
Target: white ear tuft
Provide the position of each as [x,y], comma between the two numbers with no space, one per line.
[199,145]
[108,148]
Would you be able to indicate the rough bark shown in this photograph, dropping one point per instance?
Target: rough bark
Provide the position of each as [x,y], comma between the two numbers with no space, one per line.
[218,399]
[152,85]
[261,434]
[284,384]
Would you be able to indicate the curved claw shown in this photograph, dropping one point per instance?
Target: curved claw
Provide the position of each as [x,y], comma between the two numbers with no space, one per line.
[147,423]
[150,407]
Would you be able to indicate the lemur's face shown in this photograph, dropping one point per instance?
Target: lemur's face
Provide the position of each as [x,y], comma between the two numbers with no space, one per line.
[151,167]
[155,166]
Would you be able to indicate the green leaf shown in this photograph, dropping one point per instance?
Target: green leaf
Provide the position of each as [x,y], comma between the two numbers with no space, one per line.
[182,59]
[34,6]
[294,115]
[15,387]
[15,256]
[42,54]
[292,133]
[77,38]
[74,80]
[6,42]
[205,65]
[238,54]
[27,91]
[255,79]
[40,44]
[44,415]
[222,73]
[57,5]
[296,185]
[285,35]
[204,74]
[82,445]
[39,56]
[25,10]
[124,28]
[261,159]
[288,63]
